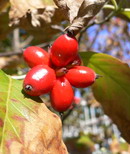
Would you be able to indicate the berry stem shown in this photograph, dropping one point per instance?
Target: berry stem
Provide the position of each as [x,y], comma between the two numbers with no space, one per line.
[70,33]
[61,115]
[98,76]
[62,71]
[74,63]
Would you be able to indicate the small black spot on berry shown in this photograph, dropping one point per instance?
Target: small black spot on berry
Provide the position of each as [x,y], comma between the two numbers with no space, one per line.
[28,88]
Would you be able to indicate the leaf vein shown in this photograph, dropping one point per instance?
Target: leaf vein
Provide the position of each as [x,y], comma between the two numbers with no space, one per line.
[6,114]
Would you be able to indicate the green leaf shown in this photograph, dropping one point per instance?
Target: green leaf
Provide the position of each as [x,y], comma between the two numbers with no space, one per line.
[85,140]
[126,13]
[26,124]
[15,109]
[113,89]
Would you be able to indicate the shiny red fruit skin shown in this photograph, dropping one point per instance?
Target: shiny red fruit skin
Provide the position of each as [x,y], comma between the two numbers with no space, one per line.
[34,56]
[61,95]
[81,76]
[63,50]
[76,62]
[41,78]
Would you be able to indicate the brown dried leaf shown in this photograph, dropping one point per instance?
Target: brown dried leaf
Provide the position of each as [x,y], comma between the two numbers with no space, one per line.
[87,10]
[17,10]
[45,32]
[79,12]
[41,135]
[69,7]
[73,9]
[37,14]
[37,20]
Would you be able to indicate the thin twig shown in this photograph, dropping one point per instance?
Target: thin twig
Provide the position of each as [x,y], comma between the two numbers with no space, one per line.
[26,42]
[65,116]
[57,27]
[95,22]
[44,45]
[94,39]
[16,40]
[6,54]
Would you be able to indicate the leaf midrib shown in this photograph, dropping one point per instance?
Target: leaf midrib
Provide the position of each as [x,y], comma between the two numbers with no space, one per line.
[6,114]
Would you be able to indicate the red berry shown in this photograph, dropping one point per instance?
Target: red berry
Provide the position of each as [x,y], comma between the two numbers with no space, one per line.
[61,95]
[81,76]
[34,56]
[39,80]
[63,50]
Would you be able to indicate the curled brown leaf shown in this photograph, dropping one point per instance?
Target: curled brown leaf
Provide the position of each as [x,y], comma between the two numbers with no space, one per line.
[87,10]
[17,11]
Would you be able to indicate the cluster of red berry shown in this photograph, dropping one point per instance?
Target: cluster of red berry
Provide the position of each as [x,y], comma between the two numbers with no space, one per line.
[56,72]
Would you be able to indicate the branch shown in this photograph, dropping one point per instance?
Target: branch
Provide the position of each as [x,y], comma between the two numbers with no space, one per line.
[65,116]
[16,40]
[26,42]
[6,54]
[94,39]
[95,22]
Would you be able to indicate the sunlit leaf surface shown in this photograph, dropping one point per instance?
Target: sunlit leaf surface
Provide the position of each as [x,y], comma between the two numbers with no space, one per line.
[26,125]
[126,13]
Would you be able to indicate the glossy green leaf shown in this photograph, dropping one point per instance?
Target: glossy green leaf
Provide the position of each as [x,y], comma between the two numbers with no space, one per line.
[126,13]
[113,89]
[15,109]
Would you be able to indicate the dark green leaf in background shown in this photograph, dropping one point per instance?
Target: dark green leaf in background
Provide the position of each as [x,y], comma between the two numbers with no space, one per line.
[113,89]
